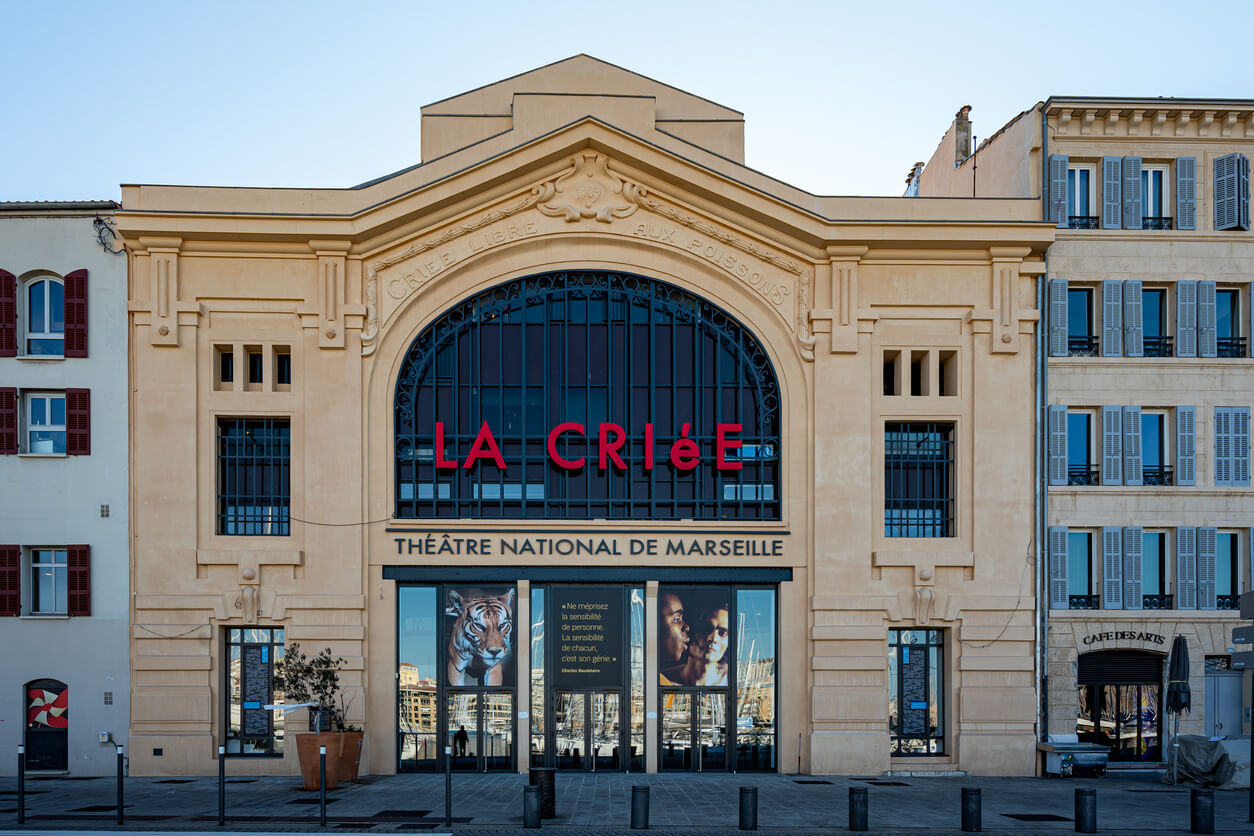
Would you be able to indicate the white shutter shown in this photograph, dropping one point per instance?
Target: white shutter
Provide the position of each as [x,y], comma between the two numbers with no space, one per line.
[1058,318]
[1186,318]
[1111,200]
[1206,542]
[1112,445]
[1112,318]
[1132,470]
[1112,568]
[1058,582]
[1133,329]
[1186,439]
[1186,568]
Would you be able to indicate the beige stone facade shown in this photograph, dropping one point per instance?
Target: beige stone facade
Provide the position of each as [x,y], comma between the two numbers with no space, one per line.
[585,166]
[1151,357]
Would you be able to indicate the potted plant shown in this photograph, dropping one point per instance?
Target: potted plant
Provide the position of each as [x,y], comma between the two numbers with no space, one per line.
[316,680]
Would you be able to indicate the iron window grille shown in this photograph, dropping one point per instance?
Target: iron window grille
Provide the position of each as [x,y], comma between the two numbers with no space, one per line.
[1158,346]
[1082,346]
[1158,475]
[918,479]
[1156,222]
[1228,602]
[589,347]
[1158,602]
[1082,221]
[1084,474]
[254,476]
[1230,347]
[1084,602]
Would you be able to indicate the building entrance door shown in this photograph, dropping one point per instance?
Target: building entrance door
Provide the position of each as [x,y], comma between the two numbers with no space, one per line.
[587,730]
[1223,703]
[694,731]
[479,728]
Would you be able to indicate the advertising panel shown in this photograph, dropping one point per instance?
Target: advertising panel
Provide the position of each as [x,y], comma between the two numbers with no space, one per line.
[591,638]
[694,640]
[479,623]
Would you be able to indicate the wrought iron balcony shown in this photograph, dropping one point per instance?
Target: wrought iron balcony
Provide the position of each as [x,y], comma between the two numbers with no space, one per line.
[1157,475]
[1230,347]
[1227,602]
[1082,346]
[1159,346]
[1083,474]
[1084,602]
[1156,223]
[1082,222]
[1158,602]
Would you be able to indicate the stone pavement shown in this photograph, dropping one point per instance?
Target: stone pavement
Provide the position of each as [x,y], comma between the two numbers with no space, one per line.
[689,804]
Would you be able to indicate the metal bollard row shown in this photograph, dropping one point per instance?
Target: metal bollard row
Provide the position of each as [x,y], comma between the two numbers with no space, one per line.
[639,807]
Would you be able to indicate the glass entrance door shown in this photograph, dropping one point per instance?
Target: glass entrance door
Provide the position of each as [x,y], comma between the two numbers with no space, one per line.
[1123,717]
[587,730]
[694,731]
[480,731]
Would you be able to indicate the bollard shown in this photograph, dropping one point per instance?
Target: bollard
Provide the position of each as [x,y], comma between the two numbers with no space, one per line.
[322,786]
[859,809]
[448,786]
[221,786]
[531,807]
[639,807]
[121,768]
[1202,811]
[1085,810]
[748,808]
[970,810]
[545,778]
[21,784]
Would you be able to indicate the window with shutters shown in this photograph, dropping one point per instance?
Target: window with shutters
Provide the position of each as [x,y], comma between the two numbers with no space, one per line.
[49,582]
[44,416]
[1155,197]
[1155,340]
[1082,196]
[44,317]
[1229,341]
[1082,466]
[1156,466]
[1232,446]
[918,479]
[1154,594]
[35,423]
[1227,571]
[1081,340]
[1080,594]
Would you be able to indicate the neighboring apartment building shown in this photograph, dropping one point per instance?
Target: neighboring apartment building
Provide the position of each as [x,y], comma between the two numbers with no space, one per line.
[1145,433]
[444,423]
[64,497]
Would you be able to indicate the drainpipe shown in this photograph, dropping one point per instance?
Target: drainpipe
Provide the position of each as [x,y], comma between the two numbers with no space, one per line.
[1042,492]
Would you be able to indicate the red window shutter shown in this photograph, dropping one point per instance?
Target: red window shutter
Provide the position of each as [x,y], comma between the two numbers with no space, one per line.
[8,421]
[78,566]
[10,580]
[8,314]
[78,422]
[76,314]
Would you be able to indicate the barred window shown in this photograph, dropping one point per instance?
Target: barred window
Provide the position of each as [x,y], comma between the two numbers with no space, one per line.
[254,476]
[918,479]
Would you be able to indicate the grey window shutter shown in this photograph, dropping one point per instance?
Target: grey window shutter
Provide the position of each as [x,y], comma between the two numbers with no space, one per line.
[1243,191]
[1112,568]
[1241,446]
[1131,192]
[1232,192]
[1249,544]
[1112,168]
[1186,568]
[1186,457]
[1058,189]
[1133,327]
[1058,318]
[1186,318]
[1206,327]
[1222,431]
[1132,471]
[1112,445]
[1132,567]
[1058,588]
[1206,537]
[1112,318]
[1058,445]
[1186,193]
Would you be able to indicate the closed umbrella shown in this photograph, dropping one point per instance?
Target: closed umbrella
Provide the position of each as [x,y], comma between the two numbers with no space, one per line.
[1178,697]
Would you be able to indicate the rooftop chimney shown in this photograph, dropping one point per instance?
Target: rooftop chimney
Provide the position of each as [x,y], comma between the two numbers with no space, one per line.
[962,134]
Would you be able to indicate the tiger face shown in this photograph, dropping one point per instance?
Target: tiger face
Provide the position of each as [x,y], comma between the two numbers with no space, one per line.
[481,638]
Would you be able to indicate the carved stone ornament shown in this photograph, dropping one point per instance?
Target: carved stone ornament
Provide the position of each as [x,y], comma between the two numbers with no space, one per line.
[588,191]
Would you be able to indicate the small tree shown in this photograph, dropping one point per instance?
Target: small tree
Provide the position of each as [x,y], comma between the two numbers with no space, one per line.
[314,679]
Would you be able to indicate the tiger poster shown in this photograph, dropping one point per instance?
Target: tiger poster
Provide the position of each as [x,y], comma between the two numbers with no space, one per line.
[479,623]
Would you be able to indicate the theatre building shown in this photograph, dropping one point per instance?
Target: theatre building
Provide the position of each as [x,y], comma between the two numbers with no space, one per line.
[586,446]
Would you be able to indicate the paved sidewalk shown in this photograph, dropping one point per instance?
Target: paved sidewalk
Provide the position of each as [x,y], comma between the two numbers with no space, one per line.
[690,804]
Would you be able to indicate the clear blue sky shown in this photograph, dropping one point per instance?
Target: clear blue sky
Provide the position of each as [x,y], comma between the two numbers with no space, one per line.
[839,98]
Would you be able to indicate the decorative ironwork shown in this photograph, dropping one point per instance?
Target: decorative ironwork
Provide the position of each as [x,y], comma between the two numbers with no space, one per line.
[1158,602]
[1156,223]
[1083,474]
[1084,602]
[1082,346]
[918,479]
[1230,347]
[1158,347]
[1227,602]
[1157,475]
[589,347]
[254,476]
[1082,222]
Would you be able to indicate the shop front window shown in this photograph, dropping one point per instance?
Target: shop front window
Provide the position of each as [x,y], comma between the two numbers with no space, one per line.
[916,715]
[417,679]
[251,728]
[1119,702]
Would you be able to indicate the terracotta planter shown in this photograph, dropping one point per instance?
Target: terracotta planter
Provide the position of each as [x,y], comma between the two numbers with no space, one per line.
[350,756]
[307,746]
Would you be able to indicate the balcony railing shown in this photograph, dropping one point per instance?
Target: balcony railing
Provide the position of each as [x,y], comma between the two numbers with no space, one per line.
[1158,602]
[1083,474]
[1230,347]
[1227,602]
[1082,346]
[1084,602]
[1159,346]
[1158,475]
[1156,223]
[1082,222]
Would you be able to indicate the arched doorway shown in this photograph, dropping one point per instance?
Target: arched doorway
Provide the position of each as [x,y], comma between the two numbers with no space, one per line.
[1119,703]
[47,724]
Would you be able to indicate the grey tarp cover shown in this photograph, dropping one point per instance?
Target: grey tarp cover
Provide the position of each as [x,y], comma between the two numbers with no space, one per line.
[1203,762]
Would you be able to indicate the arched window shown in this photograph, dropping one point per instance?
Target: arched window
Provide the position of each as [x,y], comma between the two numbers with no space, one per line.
[608,352]
[45,316]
